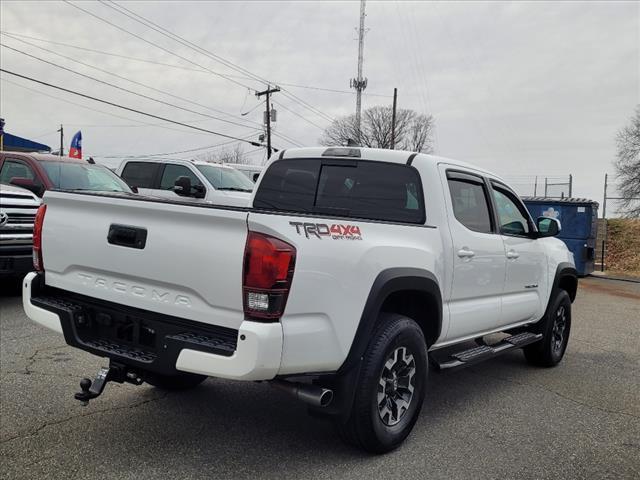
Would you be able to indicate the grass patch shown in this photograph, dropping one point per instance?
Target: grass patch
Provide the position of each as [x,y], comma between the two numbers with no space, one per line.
[623,246]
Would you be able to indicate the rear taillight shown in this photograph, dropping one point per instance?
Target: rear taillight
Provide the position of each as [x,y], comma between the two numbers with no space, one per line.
[267,275]
[38,263]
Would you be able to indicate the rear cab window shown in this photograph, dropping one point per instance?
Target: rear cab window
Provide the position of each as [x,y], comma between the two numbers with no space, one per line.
[370,190]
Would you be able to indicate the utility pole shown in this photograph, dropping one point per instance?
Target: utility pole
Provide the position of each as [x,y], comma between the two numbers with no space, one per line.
[570,185]
[61,139]
[393,119]
[360,83]
[268,93]
[604,221]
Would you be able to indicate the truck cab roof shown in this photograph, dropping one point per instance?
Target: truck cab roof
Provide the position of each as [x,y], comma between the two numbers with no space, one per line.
[374,154]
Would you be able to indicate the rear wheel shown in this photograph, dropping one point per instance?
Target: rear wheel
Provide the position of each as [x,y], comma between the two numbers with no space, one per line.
[180,381]
[390,388]
[555,328]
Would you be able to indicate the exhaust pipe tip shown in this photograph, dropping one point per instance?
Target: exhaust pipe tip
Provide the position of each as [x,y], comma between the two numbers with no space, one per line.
[306,392]
[326,397]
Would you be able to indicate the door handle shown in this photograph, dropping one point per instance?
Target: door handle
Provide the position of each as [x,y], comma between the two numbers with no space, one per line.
[464,252]
[512,254]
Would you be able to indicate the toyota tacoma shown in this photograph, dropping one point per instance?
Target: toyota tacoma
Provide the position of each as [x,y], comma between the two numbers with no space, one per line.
[350,272]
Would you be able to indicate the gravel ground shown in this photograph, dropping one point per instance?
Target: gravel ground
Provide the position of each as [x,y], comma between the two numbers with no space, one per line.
[500,419]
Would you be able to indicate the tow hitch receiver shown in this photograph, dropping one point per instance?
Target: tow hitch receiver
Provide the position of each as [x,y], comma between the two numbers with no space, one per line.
[113,373]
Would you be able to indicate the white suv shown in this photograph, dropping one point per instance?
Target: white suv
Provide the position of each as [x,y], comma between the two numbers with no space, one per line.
[197,181]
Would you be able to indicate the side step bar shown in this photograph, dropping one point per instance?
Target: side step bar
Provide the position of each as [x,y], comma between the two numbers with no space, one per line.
[470,356]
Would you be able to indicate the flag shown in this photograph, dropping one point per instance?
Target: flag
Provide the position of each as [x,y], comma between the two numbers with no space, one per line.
[75,150]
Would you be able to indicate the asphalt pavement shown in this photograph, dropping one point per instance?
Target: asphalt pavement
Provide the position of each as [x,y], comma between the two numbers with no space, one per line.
[499,419]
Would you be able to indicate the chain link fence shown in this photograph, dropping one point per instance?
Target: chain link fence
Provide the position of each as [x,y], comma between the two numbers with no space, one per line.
[559,186]
[613,203]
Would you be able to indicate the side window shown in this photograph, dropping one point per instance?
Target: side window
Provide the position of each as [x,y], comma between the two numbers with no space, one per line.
[470,204]
[140,174]
[512,220]
[15,169]
[171,174]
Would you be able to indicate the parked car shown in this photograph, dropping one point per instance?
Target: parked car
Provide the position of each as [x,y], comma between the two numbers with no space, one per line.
[353,270]
[18,208]
[196,181]
[252,172]
[38,172]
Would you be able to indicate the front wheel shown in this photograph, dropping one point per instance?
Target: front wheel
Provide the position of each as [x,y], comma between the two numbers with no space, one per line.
[390,388]
[555,328]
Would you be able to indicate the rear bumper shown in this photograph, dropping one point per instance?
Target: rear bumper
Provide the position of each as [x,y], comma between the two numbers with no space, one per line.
[149,341]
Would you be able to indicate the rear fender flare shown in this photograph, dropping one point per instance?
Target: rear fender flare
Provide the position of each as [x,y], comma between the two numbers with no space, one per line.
[387,282]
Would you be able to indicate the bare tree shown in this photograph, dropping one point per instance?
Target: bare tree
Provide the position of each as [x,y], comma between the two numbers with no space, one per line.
[414,131]
[628,166]
[233,154]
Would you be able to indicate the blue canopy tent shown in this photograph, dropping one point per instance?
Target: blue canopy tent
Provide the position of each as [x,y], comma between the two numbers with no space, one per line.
[13,143]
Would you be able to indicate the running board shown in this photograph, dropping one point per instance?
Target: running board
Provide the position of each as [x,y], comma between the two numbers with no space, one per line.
[470,356]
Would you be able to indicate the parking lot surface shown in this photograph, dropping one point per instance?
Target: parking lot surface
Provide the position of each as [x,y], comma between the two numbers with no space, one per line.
[499,419]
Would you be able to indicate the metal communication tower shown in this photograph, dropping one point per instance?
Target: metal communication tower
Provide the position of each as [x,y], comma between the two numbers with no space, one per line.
[359,83]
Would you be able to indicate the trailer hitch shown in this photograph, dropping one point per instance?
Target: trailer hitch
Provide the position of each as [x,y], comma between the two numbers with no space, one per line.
[113,373]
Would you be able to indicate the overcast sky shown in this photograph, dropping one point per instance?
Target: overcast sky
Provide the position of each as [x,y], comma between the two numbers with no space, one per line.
[522,88]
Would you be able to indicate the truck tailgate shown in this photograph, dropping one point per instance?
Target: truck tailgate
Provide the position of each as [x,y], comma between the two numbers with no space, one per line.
[188,266]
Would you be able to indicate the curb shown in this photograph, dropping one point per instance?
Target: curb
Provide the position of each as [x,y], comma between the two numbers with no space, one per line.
[619,279]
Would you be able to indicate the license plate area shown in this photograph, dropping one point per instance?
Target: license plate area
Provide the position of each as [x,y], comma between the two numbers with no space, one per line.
[117,333]
[139,338]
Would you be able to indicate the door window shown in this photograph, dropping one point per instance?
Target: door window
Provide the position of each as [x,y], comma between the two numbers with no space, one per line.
[15,169]
[140,174]
[470,206]
[513,221]
[171,174]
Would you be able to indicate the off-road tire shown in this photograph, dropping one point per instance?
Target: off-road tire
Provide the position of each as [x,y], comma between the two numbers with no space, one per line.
[555,329]
[396,339]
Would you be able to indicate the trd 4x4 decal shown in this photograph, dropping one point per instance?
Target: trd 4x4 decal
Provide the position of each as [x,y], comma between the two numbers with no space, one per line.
[335,231]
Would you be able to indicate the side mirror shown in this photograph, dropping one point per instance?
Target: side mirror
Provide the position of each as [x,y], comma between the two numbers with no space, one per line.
[182,186]
[199,191]
[29,184]
[548,227]
[134,189]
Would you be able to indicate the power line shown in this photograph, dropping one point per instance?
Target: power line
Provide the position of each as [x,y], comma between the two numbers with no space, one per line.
[280,135]
[141,124]
[158,117]
[182,67]
[144,155]
[334,90]
[122,78]
[156,45]
[127,90]
[175,37]
[77,47]
[300,116]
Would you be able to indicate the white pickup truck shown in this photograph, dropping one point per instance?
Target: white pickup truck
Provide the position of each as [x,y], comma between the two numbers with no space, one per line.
[350,272]
[200,182]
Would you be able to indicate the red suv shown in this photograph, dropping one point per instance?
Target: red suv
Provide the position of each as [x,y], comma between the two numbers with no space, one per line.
[39,172]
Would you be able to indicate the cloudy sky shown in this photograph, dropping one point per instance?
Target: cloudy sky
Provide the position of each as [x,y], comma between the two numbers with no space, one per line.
[521,88]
